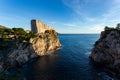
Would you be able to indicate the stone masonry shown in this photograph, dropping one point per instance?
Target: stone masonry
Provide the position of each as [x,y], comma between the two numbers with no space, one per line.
[39,27]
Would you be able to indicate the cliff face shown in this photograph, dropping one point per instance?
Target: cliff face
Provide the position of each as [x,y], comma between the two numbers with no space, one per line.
[45,43]
[21,52]
[42,44]
[106,50]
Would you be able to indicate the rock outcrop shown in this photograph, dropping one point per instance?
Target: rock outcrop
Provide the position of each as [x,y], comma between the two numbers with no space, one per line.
[42,44]
[106,51]
[45,43]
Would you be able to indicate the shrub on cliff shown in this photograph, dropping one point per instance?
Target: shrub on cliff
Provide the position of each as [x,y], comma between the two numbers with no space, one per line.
[27,36]
[53,33]
[19,31]
[112,28]
[6,32]
[7,35]
[118,26]
[109,28]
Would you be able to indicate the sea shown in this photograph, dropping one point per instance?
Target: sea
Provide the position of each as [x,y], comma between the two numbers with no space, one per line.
[70,62]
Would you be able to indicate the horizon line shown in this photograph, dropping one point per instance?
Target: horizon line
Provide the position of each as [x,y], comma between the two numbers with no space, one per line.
[78,33]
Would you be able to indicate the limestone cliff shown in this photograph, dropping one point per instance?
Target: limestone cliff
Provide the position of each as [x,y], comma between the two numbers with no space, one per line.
[106,51]
[42,44]
[45,43]
[21,52]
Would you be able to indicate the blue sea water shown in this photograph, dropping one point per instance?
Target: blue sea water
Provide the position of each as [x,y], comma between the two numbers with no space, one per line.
[71,62]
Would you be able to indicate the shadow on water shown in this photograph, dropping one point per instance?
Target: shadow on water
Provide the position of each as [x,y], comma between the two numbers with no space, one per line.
[43,67]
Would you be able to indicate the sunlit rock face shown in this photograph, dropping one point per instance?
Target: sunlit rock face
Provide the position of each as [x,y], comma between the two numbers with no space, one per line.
[39,27]
[45,42]
[106,50]
[41,45]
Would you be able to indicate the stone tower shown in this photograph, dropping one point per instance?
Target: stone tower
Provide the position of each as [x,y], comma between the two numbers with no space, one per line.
[34,26]
[39,27]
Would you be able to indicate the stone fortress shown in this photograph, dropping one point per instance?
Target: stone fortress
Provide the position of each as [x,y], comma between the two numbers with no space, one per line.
[39,27]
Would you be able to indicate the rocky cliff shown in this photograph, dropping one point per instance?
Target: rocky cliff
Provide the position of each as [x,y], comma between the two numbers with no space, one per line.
[21,52]
[106,51]
[45,43]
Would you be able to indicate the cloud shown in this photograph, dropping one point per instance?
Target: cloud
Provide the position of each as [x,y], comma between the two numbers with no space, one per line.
[97,28]
[109,17]
[116,1]
[74,5]
[113,13]
[112,17]
[70,24]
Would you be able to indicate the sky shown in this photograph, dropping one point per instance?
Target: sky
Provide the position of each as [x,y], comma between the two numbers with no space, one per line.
[66,16]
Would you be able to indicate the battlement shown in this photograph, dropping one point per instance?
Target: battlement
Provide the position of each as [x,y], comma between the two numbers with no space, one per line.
[39,27]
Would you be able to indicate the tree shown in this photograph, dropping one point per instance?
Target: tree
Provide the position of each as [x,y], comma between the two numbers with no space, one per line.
[106,28]
[1,32]
[19,31]
[118,26]
[109,28]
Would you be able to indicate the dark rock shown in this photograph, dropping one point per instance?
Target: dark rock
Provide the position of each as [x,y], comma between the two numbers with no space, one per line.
[106,51]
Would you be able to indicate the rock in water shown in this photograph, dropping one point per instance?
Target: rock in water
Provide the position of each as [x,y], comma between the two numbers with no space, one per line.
[106,51]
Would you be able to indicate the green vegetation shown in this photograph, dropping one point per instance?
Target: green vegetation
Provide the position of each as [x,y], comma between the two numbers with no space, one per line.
[52,33]
[112,28]
[118,26]
[8,38]
[15,33]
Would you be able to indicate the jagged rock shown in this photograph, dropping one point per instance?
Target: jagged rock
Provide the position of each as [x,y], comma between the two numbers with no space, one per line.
[45,42]
[106,50]
[37,46]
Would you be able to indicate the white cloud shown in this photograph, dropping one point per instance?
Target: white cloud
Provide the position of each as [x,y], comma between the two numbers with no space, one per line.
[97,28]
[116,1]
[74,5]
[114,13]
[70,24]
[96,24]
